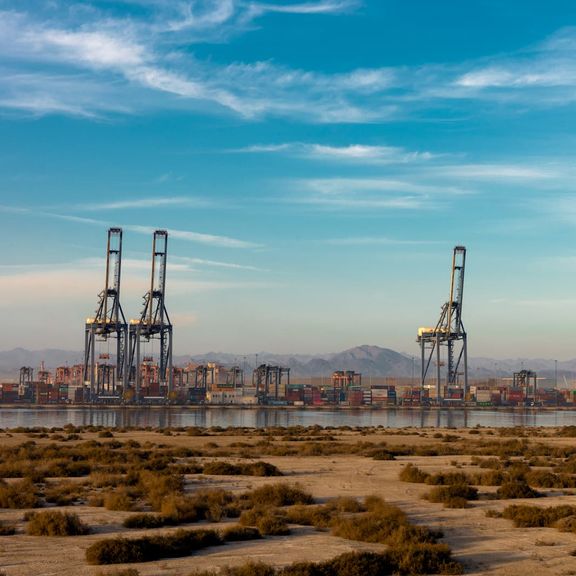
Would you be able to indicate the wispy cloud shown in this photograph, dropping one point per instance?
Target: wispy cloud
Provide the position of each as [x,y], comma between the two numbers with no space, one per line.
[92,60]
[549,65]
[216,264]
[142,203]
[198,237]
[379,241]
[497,172]
[373,193]
[188,235]
[354,153]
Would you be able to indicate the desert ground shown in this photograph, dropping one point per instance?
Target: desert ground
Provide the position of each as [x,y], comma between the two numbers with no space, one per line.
[328,463]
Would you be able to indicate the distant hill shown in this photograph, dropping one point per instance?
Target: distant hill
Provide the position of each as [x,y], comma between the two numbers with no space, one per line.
[366,359]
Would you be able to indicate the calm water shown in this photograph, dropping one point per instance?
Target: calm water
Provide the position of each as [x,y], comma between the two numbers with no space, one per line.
[262,417]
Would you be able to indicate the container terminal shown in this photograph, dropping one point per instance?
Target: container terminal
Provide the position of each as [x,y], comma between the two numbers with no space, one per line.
[131,363]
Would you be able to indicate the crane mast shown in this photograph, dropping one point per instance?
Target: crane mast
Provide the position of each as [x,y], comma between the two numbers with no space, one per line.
[108,322]
[154,322]
[450,333]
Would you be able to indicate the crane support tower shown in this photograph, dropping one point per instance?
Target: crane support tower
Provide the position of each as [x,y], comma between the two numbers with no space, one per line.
[448,333]
[109,320]
[154,322]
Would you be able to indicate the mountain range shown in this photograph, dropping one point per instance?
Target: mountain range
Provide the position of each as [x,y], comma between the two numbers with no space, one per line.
[368,360]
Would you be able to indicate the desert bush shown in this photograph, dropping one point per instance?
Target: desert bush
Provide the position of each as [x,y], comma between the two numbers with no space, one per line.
[120,499]
[345,504]
[272,525]
[150,548]
[525,516]
[566,524]
[423,558]
[493,514]
[380,454]
[451,494]
[493,463]
[155,487]
[56,523]
[348,564]
[544,479]
[65,493]
[19,494]
[221,469]
[447,478]
[123,572]
[64,468]
[237,533]
[213,505]
[280,495]
[319,516]
[248,569]
[260,469]
[144,521]
[369,527]
[456,502]
[411,473]
[520,489]
[178,509]
[491,478]
[7,529]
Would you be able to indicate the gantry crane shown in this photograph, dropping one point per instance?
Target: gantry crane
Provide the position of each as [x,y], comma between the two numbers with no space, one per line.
[154,322]
[109,320]
[449,332]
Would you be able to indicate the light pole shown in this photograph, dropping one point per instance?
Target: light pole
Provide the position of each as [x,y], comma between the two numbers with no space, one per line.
[556,374]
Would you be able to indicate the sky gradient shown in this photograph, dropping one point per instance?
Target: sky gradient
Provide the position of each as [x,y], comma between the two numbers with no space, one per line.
[314,163]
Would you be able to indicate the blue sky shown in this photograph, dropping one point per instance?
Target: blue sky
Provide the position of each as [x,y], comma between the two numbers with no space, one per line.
[314,162]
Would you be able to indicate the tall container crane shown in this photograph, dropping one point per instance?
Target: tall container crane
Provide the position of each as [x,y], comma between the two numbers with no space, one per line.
[449,332]
[109,320]
[154,322]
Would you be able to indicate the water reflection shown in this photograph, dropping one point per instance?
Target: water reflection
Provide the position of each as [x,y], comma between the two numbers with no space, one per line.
[267,417]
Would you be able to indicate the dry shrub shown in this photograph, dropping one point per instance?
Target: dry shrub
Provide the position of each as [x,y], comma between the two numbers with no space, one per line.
[418,559]
[119,500]
[544,479]
[7,529]
[155,487]
[411,473]
[452,496]
[525,516]
[123,572]
[567,524]
[346,504]
[272,525]
[519,489]
[64,493]
[56,523]
[125,551]
[238,533]
[221,469]
[447,478]
[492,478]
[144,521]
[280,495]
[179,509]
[20,494]
[213,505]
[423,558]
[319,516]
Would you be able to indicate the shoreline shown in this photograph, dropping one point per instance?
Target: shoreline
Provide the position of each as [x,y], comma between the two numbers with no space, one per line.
[192,408]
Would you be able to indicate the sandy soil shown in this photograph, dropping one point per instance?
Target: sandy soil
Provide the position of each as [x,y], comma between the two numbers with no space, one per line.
[484,545]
